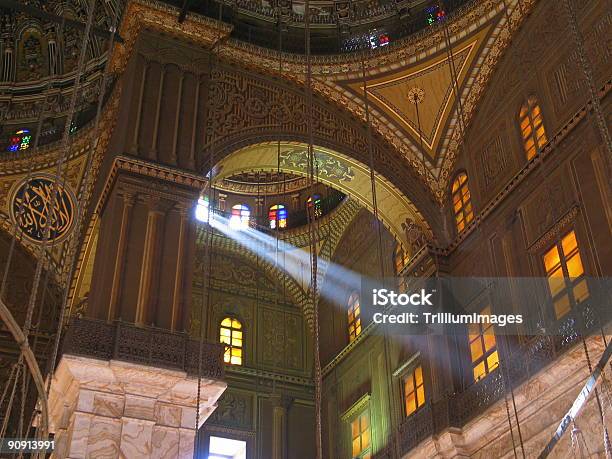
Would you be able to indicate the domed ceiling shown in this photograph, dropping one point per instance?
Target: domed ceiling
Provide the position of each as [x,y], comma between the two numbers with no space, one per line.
[336,25]
[40,43]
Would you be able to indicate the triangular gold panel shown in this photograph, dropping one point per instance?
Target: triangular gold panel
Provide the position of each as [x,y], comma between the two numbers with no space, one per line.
[391,93]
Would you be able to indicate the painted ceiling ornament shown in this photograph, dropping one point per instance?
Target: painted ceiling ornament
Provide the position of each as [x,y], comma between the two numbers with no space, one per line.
[328,166]
[39,213]
[416,95]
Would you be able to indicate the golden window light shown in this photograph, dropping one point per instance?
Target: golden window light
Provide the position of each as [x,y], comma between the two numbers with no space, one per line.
[230,334]
[565,274]
[414,391]
[360,435]
[462,202]
[354,317]
[532,127]
[483,347]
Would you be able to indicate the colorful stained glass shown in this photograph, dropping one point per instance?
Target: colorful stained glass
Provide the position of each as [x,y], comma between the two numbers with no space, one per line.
[20,140]
[240,217]
[277,216]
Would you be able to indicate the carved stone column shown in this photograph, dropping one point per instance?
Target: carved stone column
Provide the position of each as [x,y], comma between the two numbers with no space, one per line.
[280,405]
[113,394]
[146,247]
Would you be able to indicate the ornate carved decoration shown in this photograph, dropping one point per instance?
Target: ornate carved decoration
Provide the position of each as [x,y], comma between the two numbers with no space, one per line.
[356,408]
[555,231]
[234,410]
[326,166]
[43,209]
[492,162]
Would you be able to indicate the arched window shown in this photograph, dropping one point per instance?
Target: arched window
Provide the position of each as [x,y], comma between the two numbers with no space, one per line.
[313,203]
[20,140]
[532,127]
[202,209]
[354,317]
[239,219]
[230,334]
[462,202]
[277,216]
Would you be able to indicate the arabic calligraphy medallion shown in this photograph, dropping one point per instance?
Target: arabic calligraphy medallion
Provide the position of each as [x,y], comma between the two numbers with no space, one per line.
[39,213]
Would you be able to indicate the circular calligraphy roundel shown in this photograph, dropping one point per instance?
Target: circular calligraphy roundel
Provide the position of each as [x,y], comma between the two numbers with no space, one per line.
[42,209]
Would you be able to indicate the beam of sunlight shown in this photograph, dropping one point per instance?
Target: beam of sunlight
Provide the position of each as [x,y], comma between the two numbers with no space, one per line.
[292,260]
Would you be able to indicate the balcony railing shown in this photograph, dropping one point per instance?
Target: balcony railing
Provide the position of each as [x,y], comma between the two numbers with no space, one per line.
[143,345]
[521,364]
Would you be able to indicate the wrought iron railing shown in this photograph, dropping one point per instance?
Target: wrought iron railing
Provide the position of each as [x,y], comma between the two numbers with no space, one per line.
[517,366]
[144,345]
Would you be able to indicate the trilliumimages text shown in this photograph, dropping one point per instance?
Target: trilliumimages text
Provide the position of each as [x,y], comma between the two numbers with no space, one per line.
[389,298]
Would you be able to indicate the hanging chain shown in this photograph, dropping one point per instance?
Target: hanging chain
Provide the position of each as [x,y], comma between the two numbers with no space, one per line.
[588,74]
[312,237]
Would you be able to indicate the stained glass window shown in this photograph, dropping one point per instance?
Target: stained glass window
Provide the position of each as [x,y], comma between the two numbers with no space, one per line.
[434,14]
[313,203]
[414,391]
[360,436]
[462,202]
[240,216]
[20,140]
[277,215]
[230,334]
[354,317]
[483,347]
[532,127]
[202,209]
[565,274]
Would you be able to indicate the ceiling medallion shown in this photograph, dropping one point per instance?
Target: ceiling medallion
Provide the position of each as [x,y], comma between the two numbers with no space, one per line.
[38,213]
[416,95]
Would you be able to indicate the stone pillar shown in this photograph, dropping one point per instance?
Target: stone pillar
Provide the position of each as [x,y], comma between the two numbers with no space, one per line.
[146,242]
[122,400]
[118,409]
[280,405]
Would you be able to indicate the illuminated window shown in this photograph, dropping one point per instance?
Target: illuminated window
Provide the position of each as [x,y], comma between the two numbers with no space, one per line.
[434,14]
[414,391]
[314,202]
[240,216]
[565,274]
[360,435]
[230,334]
[401,258]
[483,347]
[462,202]
[354,319]
[277,216]
[532,127]
[20,141]
[202,209]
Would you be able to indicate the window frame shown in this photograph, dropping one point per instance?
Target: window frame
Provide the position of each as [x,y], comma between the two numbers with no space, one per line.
[528,105]
[483,358]
[364,453]
[569,283]
[466,216]
[314,202]
[230,345]
[410,373]
[279,207]
[244,220]
[354,325]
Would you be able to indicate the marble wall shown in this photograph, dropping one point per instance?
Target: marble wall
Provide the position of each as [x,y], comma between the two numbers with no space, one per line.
[102,409]
[541,402]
